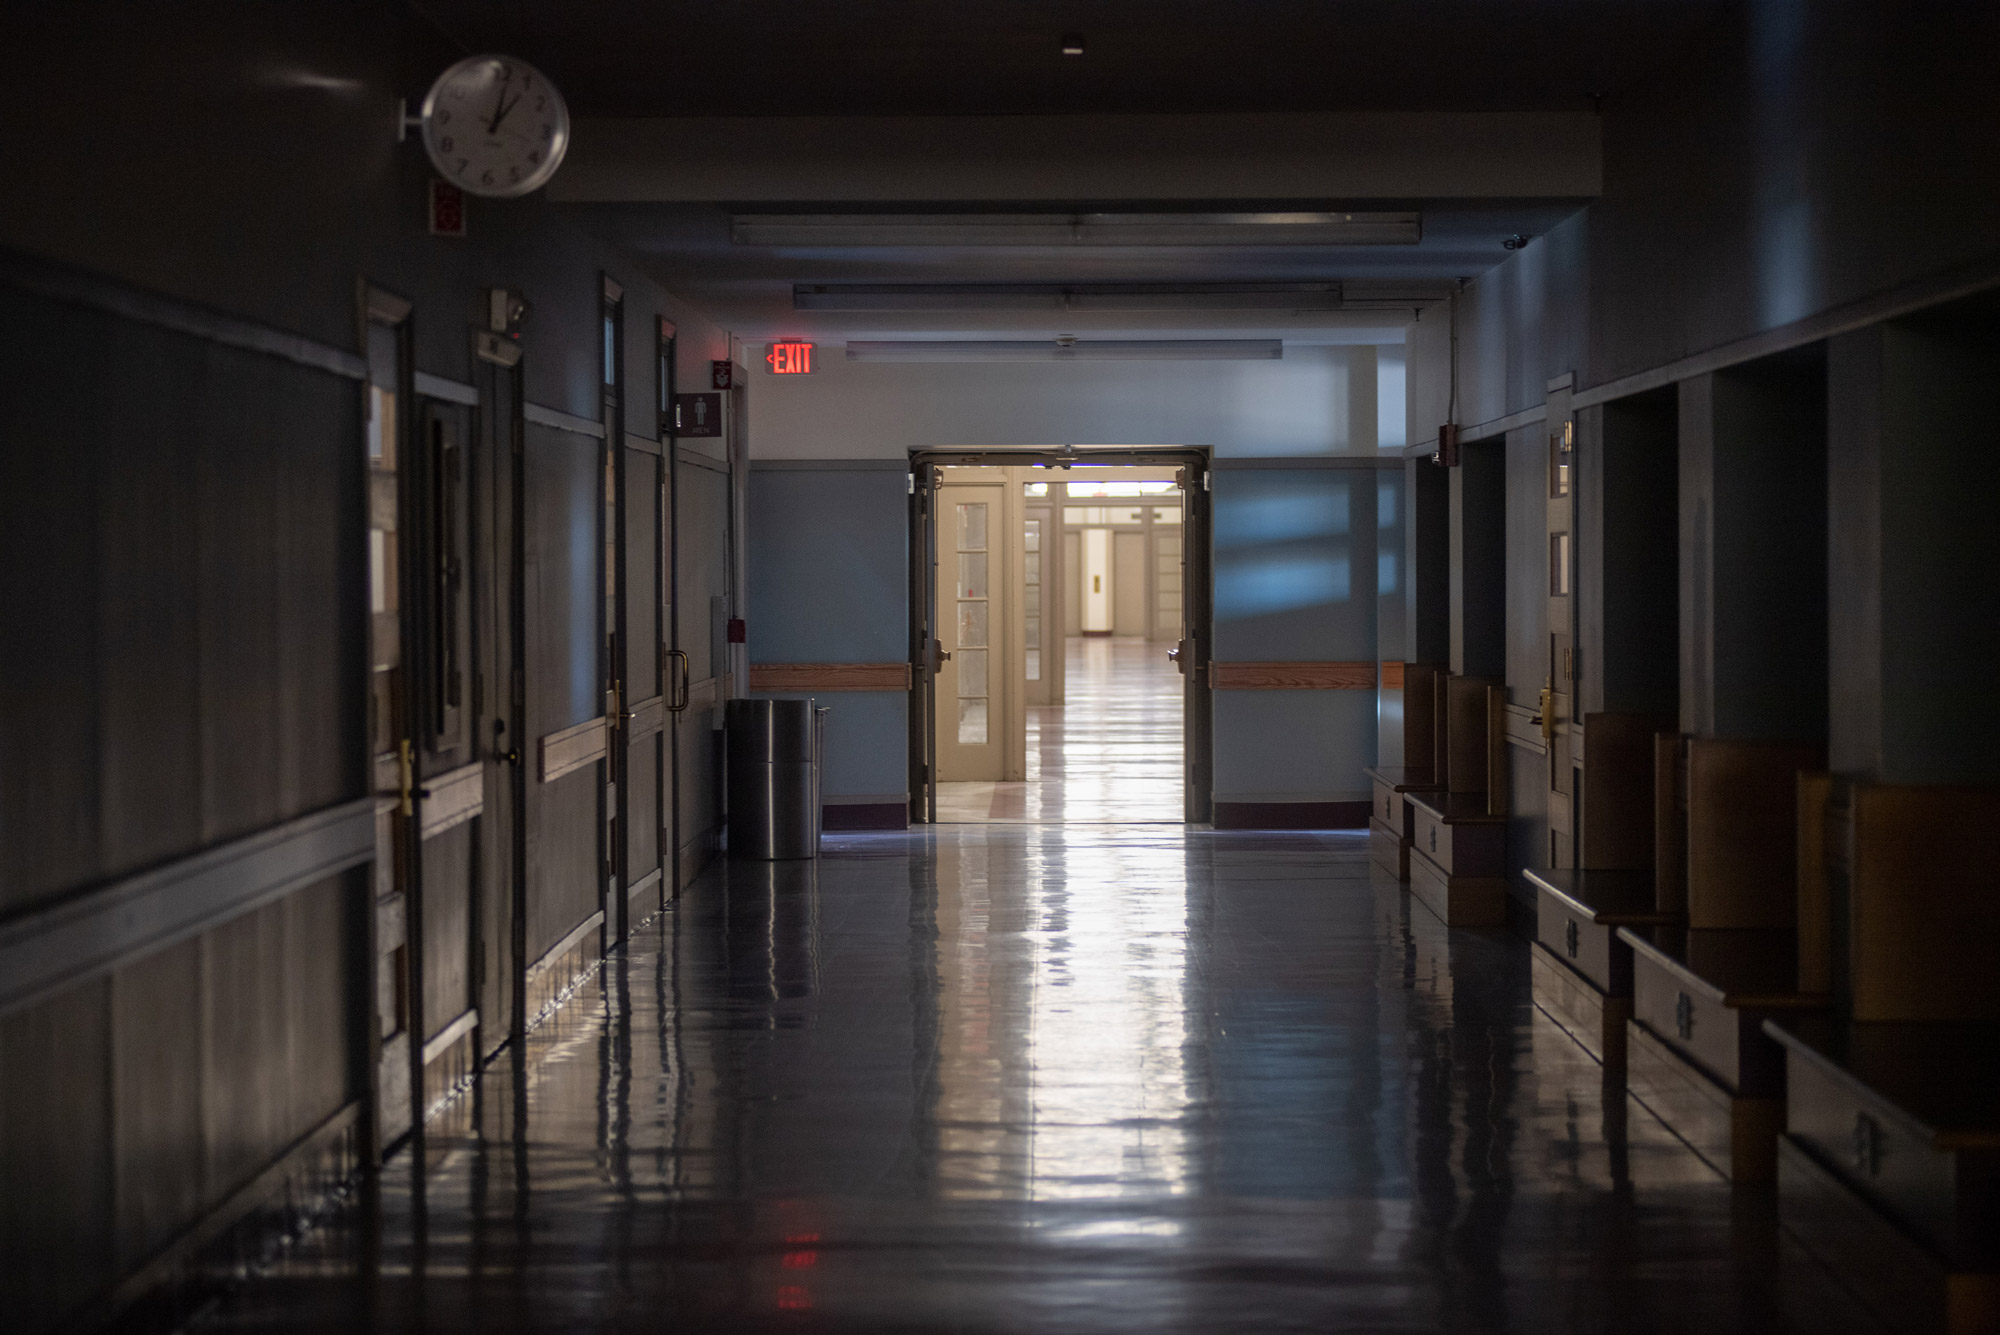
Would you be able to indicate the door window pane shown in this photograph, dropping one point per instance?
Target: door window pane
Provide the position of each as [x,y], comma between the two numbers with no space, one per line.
[972,625]
[972,574]
[971,673]
[972,527]
[972,722]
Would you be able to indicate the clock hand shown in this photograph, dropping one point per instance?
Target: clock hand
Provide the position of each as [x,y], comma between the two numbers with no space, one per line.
[501,114]
[500,107]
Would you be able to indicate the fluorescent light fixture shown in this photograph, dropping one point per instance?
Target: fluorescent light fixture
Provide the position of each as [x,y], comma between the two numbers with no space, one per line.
[1315,296]
[1064,350]
[1282,228]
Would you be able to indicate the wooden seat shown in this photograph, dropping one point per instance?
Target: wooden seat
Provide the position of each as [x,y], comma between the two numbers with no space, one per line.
[1698,1055]
[1582,969]
[1391,823]
[1889,1166]
[1458,858]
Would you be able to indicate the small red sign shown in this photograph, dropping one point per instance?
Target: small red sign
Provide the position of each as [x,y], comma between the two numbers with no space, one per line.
[721,375]
[790,358]
[447,209]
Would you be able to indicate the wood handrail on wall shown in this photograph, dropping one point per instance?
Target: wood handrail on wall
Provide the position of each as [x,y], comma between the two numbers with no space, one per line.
[829,676]
[1293,676]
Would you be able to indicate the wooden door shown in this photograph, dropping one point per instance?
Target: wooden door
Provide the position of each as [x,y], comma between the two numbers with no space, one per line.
[1560,728]
[1072,581]
[701,619]
[1196,650]
[498,693]
[448,929]
[972,683]
[1128,583]
[1042,658]
[643,775]
[391,710]
[1166,557]
[565,694]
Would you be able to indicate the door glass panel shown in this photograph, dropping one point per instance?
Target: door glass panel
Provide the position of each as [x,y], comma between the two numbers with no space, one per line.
[971,574]
[971,624]
[973,605]
[972,527]
[972,722]
[971,674]
[1032,604]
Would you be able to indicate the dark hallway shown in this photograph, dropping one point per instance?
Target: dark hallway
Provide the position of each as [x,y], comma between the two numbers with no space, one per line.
[1360,636]
[1052,1078]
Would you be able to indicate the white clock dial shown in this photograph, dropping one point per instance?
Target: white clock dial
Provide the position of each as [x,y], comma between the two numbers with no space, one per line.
[494,126]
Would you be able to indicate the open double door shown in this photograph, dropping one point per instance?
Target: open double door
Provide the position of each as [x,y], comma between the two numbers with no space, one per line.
[986,631]
[543,753]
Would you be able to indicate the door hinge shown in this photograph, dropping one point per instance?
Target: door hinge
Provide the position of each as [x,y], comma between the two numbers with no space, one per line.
[406,778]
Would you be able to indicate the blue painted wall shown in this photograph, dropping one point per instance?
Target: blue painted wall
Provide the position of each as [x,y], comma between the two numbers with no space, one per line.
[828,582]
[1295,581]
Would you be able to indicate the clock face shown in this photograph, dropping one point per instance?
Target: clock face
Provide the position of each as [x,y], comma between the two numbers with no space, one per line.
[494,126]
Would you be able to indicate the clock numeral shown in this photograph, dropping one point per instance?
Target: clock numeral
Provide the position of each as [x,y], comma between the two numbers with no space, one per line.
[444,144]
[541,104]
[486,178]
[463,163]
[535,159]
[444,116]
[515,173]
[548,129]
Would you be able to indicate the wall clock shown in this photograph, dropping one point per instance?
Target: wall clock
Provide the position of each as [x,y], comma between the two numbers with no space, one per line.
[494,126]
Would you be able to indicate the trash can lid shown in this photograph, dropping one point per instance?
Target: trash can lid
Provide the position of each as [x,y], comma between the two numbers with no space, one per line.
[769,729]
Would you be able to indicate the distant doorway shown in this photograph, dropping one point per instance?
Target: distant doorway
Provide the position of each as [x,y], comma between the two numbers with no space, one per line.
[1059,633]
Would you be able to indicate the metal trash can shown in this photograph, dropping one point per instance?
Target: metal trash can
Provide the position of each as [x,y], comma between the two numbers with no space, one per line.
[774,749]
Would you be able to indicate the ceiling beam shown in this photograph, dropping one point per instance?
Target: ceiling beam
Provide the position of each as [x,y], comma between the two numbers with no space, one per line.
[1020,159]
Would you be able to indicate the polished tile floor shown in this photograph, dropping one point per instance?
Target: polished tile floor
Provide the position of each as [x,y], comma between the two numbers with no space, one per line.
[1110,753]
[1062,1078]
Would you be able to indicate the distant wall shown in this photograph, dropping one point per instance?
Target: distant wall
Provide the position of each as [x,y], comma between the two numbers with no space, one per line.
[1317,400]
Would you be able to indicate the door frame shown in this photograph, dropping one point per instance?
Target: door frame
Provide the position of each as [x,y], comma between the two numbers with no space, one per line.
[1197,609]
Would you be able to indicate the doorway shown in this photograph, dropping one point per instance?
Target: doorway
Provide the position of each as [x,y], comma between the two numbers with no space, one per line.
[1059,632]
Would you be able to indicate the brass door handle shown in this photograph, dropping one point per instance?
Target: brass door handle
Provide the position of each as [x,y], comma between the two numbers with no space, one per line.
[681,688]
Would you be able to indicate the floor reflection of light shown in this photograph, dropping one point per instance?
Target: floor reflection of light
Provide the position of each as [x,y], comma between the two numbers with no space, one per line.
[1108,935]
[1061,1074]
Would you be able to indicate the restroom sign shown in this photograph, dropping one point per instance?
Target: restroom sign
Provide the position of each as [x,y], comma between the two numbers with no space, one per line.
[789,358]
[697,415]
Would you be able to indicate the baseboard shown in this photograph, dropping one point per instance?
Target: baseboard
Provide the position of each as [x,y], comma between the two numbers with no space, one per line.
[1293,815]
[289,1197]
[865,816]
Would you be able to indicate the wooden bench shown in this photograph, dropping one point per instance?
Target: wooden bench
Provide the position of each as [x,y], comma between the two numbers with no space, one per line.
[1698,1058]
[1391,824]
[1889,1166]
[1582,969]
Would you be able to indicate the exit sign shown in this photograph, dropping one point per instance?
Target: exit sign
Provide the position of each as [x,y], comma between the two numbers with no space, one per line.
[790,358]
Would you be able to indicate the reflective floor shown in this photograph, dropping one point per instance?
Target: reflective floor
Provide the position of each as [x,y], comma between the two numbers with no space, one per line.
[1110,753]
[1051,1078]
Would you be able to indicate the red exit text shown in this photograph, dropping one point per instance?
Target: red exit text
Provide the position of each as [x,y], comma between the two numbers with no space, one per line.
[790,358]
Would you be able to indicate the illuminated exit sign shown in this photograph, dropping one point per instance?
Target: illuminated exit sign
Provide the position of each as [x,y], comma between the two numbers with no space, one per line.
[790,358]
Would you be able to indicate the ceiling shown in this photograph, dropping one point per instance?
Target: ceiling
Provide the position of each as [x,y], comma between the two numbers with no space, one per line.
[808,58]
[1002,57]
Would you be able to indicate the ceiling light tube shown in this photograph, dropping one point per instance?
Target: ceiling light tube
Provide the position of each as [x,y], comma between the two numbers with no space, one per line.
[1064,350]
[1281,228]
[1313,296]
